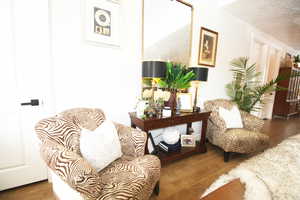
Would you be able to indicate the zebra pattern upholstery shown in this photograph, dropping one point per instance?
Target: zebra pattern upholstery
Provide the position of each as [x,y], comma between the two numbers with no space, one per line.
[245,140]
[133,176]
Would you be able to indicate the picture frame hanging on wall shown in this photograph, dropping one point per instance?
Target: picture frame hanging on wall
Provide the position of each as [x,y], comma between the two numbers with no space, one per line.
[208,47]
[102,22]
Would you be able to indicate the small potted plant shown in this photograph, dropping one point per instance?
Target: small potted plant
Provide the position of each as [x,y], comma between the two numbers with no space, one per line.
[178,77]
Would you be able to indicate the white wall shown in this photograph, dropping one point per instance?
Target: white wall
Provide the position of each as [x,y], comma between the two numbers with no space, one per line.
[233,42]
[109,78]
[235,38]
[86,75]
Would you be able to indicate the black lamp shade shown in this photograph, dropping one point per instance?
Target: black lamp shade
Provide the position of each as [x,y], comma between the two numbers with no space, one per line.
[154,69]
[201,73]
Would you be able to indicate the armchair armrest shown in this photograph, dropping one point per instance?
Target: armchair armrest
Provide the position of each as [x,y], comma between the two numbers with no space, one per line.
[73,169]
[133,141]
[251,122]
[216,121]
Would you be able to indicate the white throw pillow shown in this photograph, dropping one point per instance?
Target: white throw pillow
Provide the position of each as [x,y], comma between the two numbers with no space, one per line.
[101,146]
[231,117]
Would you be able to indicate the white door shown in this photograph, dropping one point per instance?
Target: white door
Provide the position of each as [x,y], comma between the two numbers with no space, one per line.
[259,56]
[272,72]
[24,74]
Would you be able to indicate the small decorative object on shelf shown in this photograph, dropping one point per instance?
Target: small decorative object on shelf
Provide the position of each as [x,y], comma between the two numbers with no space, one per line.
[159,100]
[186,102]
[171,136]
[170,147]
[150,112]
[188,141]
[166,112]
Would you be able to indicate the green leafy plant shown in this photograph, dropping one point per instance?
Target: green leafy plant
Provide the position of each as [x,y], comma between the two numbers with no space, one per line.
[297,58]
[178,76]
[246,88]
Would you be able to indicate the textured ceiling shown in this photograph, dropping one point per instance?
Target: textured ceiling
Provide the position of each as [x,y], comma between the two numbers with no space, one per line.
[279,18]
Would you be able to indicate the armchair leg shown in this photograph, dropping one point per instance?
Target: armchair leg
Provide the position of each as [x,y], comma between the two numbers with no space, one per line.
[156,189]
[226,156]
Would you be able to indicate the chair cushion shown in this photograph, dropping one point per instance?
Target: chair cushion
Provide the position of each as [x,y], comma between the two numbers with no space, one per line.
[130,178]
[231,117]
[243,141]
[101,146]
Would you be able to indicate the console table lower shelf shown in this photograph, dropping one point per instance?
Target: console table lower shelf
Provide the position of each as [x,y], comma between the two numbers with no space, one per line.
[183,118]
[166,157]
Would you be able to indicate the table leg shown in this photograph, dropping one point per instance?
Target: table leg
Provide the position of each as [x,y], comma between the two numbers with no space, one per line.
[202,147]
[189,125]
[155,149]
[146,145]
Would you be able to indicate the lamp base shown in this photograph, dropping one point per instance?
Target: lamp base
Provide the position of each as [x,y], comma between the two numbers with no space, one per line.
[196,109]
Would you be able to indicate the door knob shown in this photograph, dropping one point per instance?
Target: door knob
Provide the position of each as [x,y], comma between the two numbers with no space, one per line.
[33,102]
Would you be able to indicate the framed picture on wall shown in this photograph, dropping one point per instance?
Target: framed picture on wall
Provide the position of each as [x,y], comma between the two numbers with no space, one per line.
[102,22]
[208,47]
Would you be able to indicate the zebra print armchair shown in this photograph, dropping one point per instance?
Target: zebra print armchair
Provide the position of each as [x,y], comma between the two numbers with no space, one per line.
[240,140]
[133,176]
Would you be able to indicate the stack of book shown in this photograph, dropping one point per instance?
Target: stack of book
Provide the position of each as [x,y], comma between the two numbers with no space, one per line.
[169,147]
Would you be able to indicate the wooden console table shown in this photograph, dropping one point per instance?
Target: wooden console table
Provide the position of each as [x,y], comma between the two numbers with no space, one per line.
[183,118]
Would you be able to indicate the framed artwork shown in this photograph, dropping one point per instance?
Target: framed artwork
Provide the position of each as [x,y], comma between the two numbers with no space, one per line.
[186,102]
[102,22]
[188,141]
[208,47]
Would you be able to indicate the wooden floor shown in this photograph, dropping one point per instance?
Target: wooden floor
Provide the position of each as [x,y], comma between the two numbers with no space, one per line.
[181,180]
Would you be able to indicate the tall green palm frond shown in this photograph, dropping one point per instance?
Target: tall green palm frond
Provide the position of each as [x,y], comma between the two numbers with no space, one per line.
[178,77]
[246,89]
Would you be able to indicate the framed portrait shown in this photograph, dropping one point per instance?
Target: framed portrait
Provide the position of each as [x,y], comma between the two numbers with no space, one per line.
[102,22]
[188,141]
[208,47]
[186,102]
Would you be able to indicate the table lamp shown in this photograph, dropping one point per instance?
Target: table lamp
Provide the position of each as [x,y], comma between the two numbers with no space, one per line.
[201,75]
[153,69]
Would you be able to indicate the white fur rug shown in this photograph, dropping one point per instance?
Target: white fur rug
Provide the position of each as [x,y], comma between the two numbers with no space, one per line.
[274,174]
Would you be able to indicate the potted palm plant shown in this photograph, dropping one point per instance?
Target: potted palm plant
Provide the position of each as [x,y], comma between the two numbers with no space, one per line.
[178,77]
[246,89]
